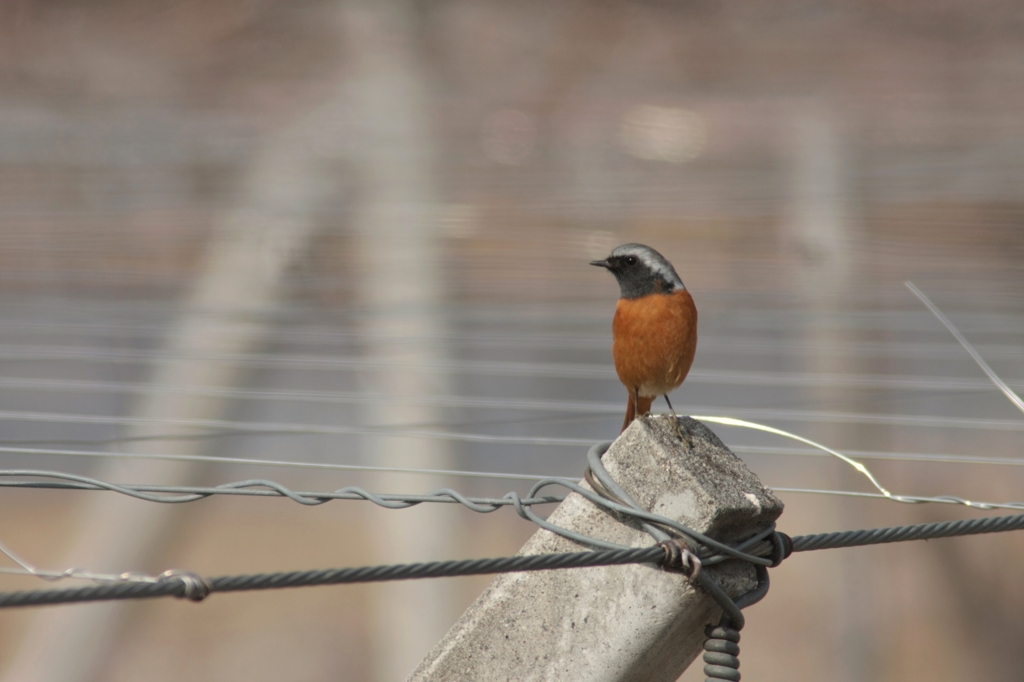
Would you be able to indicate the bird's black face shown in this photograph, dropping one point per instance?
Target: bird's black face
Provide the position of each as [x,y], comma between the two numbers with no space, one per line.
[628,266]
[640,271]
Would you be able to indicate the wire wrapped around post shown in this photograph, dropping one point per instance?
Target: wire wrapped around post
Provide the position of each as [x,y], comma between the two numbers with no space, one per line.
[722,645]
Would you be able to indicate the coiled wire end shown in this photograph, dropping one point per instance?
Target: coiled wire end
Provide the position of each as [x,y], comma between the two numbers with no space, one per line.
[721,652]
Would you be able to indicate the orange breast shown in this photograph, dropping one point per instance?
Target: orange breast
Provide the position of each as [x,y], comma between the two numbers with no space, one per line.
[655,340]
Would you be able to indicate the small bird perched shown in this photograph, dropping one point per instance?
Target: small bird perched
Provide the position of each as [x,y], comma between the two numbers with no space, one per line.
[655,327]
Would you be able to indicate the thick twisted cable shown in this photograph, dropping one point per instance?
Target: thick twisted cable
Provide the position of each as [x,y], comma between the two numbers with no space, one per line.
[922,531]
[759,545]
[647,555]
[177,586]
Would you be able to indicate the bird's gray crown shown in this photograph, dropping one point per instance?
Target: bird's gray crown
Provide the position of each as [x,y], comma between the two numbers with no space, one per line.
[641,271]
[655,262]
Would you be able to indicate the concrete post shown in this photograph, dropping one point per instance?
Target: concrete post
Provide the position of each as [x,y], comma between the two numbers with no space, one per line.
[615,623]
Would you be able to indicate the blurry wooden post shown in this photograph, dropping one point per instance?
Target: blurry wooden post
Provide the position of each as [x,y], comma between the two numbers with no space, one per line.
[397,268]
[246,261]
[823,229]
[617,623]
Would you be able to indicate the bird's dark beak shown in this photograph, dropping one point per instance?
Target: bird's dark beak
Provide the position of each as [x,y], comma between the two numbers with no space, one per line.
[601,263]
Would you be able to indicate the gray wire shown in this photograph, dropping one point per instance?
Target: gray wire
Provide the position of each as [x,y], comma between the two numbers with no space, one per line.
[177,584]
[493,368]
[480,402]
[620,502]
[912,499]
[269,428]
[922,531]
[266,488]
[511,315]
[264,428]
[731,344]
[1000,384]
[653,523]
[869,454]
[259,488]
[312,362]
[625,510]
[274,463]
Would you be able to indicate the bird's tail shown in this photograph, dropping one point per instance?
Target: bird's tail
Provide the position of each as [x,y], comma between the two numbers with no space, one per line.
[633,410]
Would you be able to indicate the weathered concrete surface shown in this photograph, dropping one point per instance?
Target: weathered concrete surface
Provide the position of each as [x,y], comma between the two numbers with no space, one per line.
[615,623]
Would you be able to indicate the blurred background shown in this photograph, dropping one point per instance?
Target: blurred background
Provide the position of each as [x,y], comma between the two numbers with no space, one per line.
[357,233]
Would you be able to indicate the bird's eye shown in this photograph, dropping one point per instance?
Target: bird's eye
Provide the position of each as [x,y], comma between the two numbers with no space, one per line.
[630,260]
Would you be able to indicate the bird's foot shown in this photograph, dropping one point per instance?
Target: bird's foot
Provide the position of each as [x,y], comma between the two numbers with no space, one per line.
[683,433]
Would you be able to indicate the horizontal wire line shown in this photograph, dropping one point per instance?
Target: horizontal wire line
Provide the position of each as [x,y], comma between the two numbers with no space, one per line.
[187,585]
[343,397]
[270,428]
[213,459]
[719,420]
[135,585]
[882,493]
[739,449]
[259,488]
[480,402]
[925,421]
[869,454]
[735,344]
[496,368]
[329,334]
[266,488]
[265,428]
[587,312]
[171,584]
[317,362]
[942,499]
[731,343]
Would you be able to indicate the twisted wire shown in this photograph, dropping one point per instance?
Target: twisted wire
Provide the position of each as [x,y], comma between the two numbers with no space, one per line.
[264,488]
[258,487]
[482,505]
[922,531]
[175,585]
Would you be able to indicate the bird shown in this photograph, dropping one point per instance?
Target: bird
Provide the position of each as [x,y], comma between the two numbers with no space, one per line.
[654,330]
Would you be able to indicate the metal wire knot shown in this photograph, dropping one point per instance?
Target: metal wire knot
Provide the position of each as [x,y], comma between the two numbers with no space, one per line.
[197,588]
[782,547]
[679,558]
